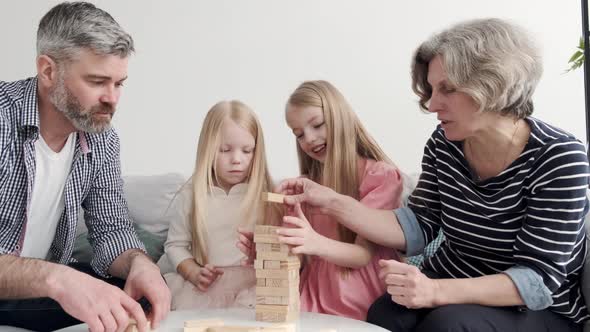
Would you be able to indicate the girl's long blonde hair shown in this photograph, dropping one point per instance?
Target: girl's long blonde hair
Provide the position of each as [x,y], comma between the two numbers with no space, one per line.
[203,177]
[347,142]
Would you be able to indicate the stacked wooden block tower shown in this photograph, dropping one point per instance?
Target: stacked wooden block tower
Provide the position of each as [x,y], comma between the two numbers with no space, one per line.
[277,277]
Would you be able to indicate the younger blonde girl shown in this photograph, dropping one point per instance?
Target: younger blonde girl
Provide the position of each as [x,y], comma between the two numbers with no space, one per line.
[201,263]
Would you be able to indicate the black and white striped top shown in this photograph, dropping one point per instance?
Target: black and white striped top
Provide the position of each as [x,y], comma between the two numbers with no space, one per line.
[530,215]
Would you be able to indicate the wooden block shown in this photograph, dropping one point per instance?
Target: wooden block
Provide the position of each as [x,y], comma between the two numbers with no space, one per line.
[273,198]
[275,328]
[260,247]
[280,247]
[276,256]
[258,264]
[132,327]
[233,329]
[279,282]
[290,274]
[274,247]
[275,291]
[195,329]
[265,229]
[277,300]
[261,282]
[277,308]
[203,322]
[275,317]
[266,238]
[279,265]
[273,265]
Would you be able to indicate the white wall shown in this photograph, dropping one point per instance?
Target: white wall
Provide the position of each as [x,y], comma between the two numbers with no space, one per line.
[191,54]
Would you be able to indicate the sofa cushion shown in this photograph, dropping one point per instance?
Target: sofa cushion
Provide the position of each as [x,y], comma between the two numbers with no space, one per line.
[149,201]
[154,245]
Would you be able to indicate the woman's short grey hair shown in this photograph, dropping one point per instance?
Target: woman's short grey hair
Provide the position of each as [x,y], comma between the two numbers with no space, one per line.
[72,26]
[493,61]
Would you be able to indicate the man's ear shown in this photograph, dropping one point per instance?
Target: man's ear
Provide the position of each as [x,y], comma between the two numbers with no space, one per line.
[47,71]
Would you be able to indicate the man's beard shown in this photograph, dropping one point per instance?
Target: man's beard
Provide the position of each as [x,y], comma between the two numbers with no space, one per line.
[83,119]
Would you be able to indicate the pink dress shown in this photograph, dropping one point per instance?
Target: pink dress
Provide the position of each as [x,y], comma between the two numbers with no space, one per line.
[323,287]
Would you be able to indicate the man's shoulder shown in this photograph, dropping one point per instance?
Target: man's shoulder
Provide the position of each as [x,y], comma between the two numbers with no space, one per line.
[12,92]
[103,144]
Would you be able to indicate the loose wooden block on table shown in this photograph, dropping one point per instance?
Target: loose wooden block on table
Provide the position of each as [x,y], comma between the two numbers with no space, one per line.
[201,325]
[132,326]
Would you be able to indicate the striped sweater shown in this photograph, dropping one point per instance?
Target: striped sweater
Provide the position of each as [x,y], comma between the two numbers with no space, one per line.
[530,215]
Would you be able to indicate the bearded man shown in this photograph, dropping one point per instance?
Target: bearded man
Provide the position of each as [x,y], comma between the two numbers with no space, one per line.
[59,156]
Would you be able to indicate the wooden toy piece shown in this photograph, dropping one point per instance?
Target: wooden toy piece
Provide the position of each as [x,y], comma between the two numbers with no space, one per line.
[292,290]
[276,317]
[233,329]
[277,300]
[132,326]
[203,322]
[266,238]
[275,328]
[277,273]
[275,256]
[201,325]
[277,265]
[265,229]
[273,198]
[291,274]
[272,247]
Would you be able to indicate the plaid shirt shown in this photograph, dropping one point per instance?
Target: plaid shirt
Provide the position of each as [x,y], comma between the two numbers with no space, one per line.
[94,184]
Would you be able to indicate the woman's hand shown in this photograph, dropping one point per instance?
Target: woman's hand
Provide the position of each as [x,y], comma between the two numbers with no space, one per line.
[302,238]
[302,190]
[407,285]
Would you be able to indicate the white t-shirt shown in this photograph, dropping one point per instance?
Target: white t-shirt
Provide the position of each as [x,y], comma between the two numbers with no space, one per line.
[47,201]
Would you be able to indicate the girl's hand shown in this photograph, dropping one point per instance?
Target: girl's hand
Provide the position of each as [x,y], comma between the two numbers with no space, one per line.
[247,246]
[205,276]
[407,285]
[302,238]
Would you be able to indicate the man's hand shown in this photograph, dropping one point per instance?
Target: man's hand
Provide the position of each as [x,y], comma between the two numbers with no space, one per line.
[144,280]
[102,306]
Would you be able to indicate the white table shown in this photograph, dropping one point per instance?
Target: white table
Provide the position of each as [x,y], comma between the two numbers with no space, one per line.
[307,322]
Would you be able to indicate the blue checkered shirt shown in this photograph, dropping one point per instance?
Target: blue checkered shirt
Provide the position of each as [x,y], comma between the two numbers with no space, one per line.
[94,184]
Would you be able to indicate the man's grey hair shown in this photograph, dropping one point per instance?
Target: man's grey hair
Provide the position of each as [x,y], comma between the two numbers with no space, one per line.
[493,61]
[71,27]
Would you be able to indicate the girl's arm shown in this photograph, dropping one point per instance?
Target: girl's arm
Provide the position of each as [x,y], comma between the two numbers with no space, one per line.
[178,242]
[305,240]
[385,229]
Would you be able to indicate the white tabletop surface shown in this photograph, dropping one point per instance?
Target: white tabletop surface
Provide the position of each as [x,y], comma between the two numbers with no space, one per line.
[307,322]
